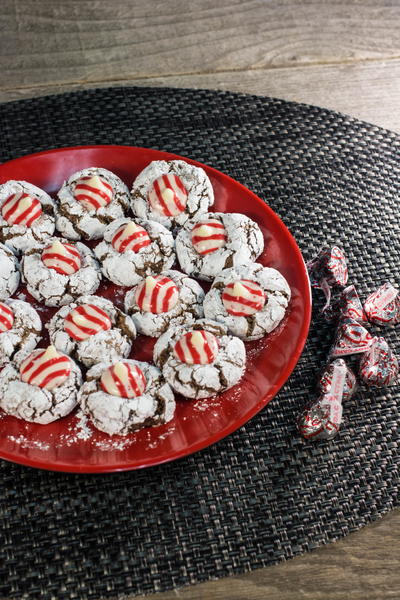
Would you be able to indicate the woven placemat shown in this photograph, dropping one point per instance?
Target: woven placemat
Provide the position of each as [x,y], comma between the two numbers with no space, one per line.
[263,494]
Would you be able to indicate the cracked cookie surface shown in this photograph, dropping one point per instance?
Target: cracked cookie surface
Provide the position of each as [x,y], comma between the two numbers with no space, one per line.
[18,341]
[75,222]
[201,380]
[9,272]
[121,416]
[277,297]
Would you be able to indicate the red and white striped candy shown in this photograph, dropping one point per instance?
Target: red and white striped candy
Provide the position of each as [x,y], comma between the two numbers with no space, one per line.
[123,380]
[157,294]
[208,236]
[21,209]
[243,298]
[130,237]
[6,318]
[93,192]
[63,258]
[167,195]
[86,320]
[47,369]
[196,348]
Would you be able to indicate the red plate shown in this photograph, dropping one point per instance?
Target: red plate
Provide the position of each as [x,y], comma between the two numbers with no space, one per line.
[196,424]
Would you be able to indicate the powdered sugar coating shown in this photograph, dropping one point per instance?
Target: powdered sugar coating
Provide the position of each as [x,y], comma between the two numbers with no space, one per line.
[105,346]
[35,404]
[75,222]
[244,244]
[201,381]
[52,288]
[198,186]
[9,272]
[119,416]
[128,268]
[24,335]
[188,308]
[19,237]
[253,327]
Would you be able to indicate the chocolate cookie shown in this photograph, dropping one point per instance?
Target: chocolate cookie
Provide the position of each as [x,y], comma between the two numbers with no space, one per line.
[59,272]
[20,328]
[216,241]
[171,192]
[126,396]
[42,388]
[200,360]
[163,301]
[133,249]
[250,300]
[88,201]
[92,330]
[26,215]
[9,272]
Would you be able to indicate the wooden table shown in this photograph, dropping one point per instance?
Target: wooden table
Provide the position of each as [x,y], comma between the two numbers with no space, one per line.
[342,55]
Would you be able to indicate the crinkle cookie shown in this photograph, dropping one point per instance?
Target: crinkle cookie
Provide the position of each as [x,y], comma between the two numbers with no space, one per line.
[92,330]
[60,272]
[20,328]
[126,396]
[9,272]
[216,241]
[163,301]
[201,359]
[42,389]
[26,215]
[250,300]
[133,249]
[88,201]
[171,192]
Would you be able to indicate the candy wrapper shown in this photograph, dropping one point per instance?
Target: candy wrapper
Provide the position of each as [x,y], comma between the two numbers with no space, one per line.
[351,338]
[321,420]
[383,306]
[346,305]
[328,269]
[379,366]
[329,376]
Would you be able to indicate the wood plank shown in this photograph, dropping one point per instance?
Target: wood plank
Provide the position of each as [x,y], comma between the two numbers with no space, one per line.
[369,91]
[86,41]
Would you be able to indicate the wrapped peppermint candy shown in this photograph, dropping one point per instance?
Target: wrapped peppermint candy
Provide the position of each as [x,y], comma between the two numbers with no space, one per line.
[328,269]
[330,374]
[346,305]
[382,307]
[351,338]
[321,420]
[379,366]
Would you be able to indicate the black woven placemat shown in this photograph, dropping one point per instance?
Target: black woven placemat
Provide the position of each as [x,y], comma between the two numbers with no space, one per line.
[263,494]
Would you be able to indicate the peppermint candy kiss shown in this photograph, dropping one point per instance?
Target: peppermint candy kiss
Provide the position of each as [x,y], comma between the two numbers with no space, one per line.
[157,294]
[130,237]
[379,366]
[208,236]
[6,318]
[243,298]
[86,320]
[93,192]
[123,380]
[383,306]
[45,368]
[196,348]
[351,338]
[21,209]
[63,258]
[168,196]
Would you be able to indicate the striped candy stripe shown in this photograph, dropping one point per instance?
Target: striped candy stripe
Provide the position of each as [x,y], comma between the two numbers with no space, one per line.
[86,320]
[157,294]
[45,368]
[123,380]
[93,192]
[6,318]
[167,195]
[130,237]
[196,348]
[208,236]
[21,209]
[243,298]
[63,258]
